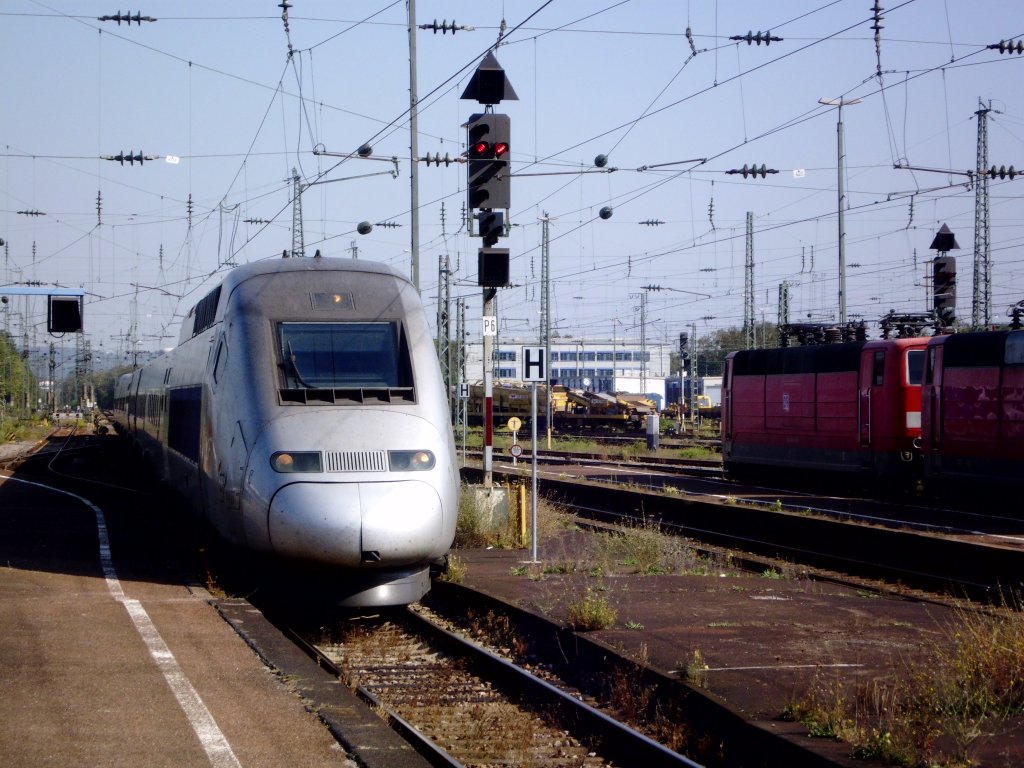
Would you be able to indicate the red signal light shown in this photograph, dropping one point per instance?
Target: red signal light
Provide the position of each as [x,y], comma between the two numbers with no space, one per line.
[500,149]
[480,149]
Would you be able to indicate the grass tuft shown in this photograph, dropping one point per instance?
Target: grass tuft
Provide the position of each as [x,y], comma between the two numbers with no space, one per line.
[592,611]
[965,683]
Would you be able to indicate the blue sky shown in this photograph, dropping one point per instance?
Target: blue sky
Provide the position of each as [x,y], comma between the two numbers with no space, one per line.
[214,85]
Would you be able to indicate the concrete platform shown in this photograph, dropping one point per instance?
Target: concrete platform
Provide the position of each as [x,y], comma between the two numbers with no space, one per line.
[108,657]
[756,643]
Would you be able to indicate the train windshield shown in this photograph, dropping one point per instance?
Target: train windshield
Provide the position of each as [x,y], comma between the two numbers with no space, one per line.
[343,355]
[915,366]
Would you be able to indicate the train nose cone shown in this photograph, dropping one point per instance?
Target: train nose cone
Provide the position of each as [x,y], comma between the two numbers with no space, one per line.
[369,525]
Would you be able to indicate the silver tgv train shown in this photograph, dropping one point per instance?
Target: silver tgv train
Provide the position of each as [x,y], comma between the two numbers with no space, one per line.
[304,414]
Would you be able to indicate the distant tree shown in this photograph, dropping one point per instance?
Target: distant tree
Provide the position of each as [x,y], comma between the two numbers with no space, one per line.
[104,383]
[16,380]
[713,348]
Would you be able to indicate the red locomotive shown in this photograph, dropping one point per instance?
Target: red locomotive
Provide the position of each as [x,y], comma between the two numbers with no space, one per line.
[853,408]
[972,410]
[945,410]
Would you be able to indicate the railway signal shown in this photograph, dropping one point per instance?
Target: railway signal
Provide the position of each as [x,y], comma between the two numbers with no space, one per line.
[944,276]
[488,154]
[944,288]
[492,267]
[684,347]
[491,225]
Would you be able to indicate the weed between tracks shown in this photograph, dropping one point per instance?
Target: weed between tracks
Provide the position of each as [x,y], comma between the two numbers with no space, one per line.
[967,684]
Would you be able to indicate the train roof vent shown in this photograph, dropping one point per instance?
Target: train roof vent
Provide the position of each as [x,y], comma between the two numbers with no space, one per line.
[348,396]
[356,461]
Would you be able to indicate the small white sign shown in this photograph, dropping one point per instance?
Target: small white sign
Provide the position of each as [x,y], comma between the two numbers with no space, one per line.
[799,173]
[464,390]
[173,159]
[490,325]
[535,364]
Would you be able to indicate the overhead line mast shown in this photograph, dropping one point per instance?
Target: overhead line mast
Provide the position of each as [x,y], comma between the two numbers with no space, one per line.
[981,315]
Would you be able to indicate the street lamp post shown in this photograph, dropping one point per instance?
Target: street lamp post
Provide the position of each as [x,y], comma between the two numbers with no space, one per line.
[840,165]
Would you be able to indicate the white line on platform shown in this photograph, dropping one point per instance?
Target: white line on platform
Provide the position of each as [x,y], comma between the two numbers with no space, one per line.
[217,748]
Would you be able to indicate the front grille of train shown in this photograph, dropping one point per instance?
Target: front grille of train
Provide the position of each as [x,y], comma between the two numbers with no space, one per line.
[347,396]
[356,461]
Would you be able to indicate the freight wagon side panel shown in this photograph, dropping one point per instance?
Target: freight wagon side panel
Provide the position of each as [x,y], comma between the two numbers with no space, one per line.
[1012,420]
[836,395]
[971,407]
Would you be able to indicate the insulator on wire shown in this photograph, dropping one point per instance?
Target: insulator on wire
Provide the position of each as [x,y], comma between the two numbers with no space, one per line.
[877,9]
[444,27]
[436,159]
[689,38]
[131,157]
[387,224]
[1008,46]
[754,171]
[1002,172]
[138,18]
[759,37]
[651,222]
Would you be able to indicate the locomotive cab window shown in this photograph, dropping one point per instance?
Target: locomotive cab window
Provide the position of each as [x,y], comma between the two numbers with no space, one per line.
[878,372]
[915,367]
[371,355]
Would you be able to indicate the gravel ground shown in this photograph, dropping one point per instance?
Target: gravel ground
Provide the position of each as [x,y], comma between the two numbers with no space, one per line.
[11,450]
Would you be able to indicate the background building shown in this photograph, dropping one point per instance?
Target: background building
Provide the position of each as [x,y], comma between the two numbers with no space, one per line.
[594,365]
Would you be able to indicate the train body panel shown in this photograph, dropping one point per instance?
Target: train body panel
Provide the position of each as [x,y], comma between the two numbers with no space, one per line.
[303,413]
[973,412]
[852,408]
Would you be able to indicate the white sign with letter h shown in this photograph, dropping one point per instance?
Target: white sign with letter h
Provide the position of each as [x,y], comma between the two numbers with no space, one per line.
[535,364]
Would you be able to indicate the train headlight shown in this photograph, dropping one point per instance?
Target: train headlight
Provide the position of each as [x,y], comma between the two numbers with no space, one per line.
[296,461]
[410,461]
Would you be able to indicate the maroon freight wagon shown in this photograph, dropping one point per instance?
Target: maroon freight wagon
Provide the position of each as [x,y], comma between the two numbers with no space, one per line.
[972,407]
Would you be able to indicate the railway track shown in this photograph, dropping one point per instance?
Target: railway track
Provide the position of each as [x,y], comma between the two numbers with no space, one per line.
[967,519]
[462,704]
[947,559]
[941,564]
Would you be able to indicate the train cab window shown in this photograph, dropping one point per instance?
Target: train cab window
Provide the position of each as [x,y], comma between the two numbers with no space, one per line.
[1015,348]
[878,369]
[344,355]
[915,367]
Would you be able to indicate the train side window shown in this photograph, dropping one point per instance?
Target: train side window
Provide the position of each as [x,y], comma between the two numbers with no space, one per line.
[915,366]
[878,371]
